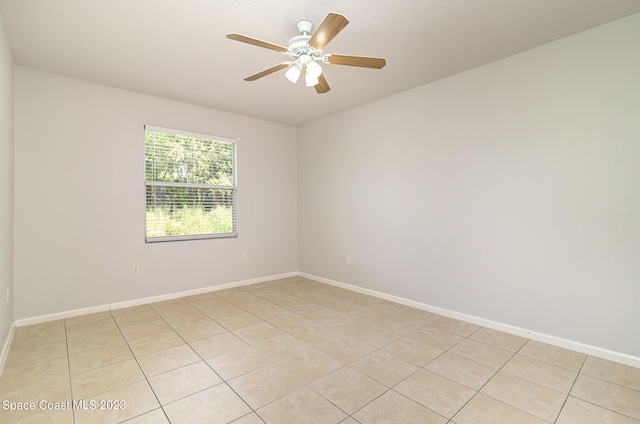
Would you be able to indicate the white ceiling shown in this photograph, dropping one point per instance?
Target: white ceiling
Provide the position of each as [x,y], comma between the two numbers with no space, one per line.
[177,49]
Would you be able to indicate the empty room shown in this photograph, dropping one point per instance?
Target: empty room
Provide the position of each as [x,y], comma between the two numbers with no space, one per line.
[419,211]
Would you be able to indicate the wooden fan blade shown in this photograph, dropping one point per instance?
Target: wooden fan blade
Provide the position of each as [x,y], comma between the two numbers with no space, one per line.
[362,62]
[329,28]
[322,86]
[256,42]
[267,72]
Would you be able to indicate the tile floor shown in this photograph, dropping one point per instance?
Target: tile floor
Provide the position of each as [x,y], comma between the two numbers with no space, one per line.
[298,351]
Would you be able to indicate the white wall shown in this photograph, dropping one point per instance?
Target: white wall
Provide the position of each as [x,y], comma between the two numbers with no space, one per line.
[510,192]
[79,198]
[6,183]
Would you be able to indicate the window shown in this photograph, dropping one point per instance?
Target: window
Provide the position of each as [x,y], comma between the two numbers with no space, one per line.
[190,185]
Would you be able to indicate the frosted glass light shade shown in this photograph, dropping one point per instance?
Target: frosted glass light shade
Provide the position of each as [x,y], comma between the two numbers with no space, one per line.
[310,79]
[314,69]
[293,73]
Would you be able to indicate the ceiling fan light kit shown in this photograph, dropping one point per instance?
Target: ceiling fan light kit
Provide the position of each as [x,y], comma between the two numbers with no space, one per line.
[305,51]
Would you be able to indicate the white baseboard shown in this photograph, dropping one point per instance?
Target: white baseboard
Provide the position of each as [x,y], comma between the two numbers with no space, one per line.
[143,301]
[5,347]
[533,335]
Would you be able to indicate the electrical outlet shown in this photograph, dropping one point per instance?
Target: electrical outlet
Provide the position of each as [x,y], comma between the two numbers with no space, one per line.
[135,269]
[244,257]
[348,260]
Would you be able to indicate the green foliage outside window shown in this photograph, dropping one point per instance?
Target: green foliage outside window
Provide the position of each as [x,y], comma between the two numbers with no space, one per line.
[190,185]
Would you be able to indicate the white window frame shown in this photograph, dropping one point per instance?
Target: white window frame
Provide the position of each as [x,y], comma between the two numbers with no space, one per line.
[233,187]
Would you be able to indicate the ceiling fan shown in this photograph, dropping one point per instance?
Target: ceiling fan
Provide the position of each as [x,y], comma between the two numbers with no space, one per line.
[305,51]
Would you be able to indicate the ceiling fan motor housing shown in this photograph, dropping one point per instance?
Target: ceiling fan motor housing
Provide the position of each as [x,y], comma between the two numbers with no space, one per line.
[299,45]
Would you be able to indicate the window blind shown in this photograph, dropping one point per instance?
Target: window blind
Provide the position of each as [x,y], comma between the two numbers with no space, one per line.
[190,185]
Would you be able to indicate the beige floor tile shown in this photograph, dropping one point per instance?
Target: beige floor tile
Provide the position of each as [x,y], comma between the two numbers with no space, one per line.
[94,341]
[170,308]
[145,329]
[51,335]
[385,368]
[314,334]
[608,395]
[450,325]
[222,310]
[390,307]
[251,304]
[375,336]
[346,323]
[276,296]
[265,385]
[345,349]
[485,410]
[543,373]
[400,325]
[200,297]
[462,370]
[417,315]
[43,380]
[363,331]
[612,372]
[483,353]
[302,406]
[217,345]
[182,382]
[319,313]
[577,411]
[530,397]
[207,302]
[34,373]
[437,393]
[499,339]
[119,404]
[392,408]
[297,305]
[270,311]
[256,333]
[436,338]
[96,358]
[42,353]
[218,404]
[78,329]
[413,351]
[137,318]
[104,379]
[184,320]
[281,346]
[342,306]
[130,310]
[238,362]
[251,418]
[155,342]
[348,389]
[166,360]
[290,322]
[372,315]
[157,416]
[200,330]
[554,355]
[36,415]
[36,329]
[310,365]
[239,320]
[83,319]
